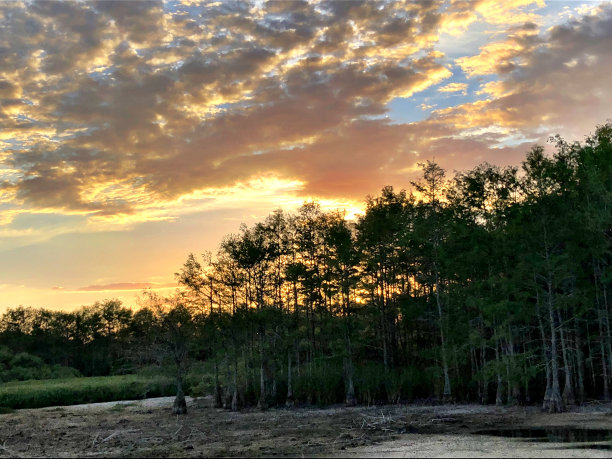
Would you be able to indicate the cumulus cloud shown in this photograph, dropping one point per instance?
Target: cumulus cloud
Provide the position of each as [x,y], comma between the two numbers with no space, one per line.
[558,80]
[462,13]
[123,103]
[115,110]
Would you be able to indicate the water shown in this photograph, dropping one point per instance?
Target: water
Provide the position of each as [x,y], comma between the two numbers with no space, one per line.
[592,438]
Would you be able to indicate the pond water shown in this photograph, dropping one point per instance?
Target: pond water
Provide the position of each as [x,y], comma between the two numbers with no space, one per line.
[592,438]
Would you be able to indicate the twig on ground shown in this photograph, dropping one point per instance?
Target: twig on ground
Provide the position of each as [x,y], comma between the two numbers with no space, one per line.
[8,450]
[178,430]
[114,434]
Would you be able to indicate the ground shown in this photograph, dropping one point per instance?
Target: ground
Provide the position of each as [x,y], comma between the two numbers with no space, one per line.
[148,429]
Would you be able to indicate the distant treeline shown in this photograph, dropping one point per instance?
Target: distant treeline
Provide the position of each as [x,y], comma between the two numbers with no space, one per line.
[494,286]
[97,340]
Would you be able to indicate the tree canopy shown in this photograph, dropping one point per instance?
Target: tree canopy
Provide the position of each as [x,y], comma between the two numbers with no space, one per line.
[493,286]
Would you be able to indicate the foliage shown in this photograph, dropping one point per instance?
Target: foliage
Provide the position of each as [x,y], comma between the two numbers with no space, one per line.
[492,286]
[72,391]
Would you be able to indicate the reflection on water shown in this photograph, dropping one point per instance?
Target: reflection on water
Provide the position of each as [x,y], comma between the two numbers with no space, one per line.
[601,438]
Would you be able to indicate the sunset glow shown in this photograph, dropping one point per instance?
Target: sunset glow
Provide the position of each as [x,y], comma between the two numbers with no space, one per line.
[134,133]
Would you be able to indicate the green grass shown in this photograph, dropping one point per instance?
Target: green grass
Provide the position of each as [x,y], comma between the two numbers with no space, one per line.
[122,406]
[51,392]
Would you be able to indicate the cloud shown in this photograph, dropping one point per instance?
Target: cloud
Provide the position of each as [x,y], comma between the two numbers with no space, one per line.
[140,21]
[502,57]
[115,111]
[558,80]
[156,102]
[123,286]
[426,107]
[139,127]
[454,87]
[462,13]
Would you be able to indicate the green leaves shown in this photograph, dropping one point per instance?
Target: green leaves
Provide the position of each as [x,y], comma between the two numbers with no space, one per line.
[480,283]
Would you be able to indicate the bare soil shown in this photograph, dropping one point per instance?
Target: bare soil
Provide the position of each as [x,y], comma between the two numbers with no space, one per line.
[147,428]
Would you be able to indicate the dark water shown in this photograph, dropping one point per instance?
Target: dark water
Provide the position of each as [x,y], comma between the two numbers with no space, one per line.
[603,437]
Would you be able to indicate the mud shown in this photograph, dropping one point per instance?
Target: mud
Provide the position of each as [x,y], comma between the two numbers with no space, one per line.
[148,429]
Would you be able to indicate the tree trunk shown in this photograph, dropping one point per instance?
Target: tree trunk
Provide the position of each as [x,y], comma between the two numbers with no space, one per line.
[591,356]
[548,390]
[349,399]
[290,399]
[446,395]
[498,392]
[271,367]
[180,405]
[604,366]
[247,371]
[579,365]
[514,390]
[261,404]
[383,331]
[510,400]
[227,389]
[475,371]
[483,361]
[235,382]
[527,398]
[606,315]
[556,402]
[568,391]
[218,389]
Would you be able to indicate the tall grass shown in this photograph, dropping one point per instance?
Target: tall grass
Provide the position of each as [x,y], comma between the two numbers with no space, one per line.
[322,384]
[72,391]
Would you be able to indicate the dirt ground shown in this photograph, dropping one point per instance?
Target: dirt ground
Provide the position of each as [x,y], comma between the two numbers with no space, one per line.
[148,429]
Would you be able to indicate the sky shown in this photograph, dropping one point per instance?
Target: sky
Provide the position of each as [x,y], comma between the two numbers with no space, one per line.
[133,133]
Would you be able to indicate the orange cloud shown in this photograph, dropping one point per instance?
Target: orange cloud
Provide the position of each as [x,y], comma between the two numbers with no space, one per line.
[153,97]
[503,56]
[462,13]
[124,286]
[143,115]
[116,110]
[562,79]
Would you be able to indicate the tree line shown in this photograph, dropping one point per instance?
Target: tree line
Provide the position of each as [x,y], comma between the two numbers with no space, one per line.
[492,286]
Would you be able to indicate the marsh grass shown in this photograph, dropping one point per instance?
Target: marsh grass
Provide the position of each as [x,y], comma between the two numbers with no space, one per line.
[72,391]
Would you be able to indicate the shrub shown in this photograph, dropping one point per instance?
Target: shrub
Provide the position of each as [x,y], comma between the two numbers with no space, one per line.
[324,386]
[60,372]
[25,360]
[370,383]
[5,357]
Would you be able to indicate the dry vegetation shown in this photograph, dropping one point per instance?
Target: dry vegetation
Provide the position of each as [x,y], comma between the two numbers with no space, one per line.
[147,429]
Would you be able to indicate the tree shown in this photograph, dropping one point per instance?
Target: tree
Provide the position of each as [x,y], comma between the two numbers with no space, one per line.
[431,231]
[176,332]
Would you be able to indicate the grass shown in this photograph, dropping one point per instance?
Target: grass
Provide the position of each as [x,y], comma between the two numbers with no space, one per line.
[121,406]
[72,391]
